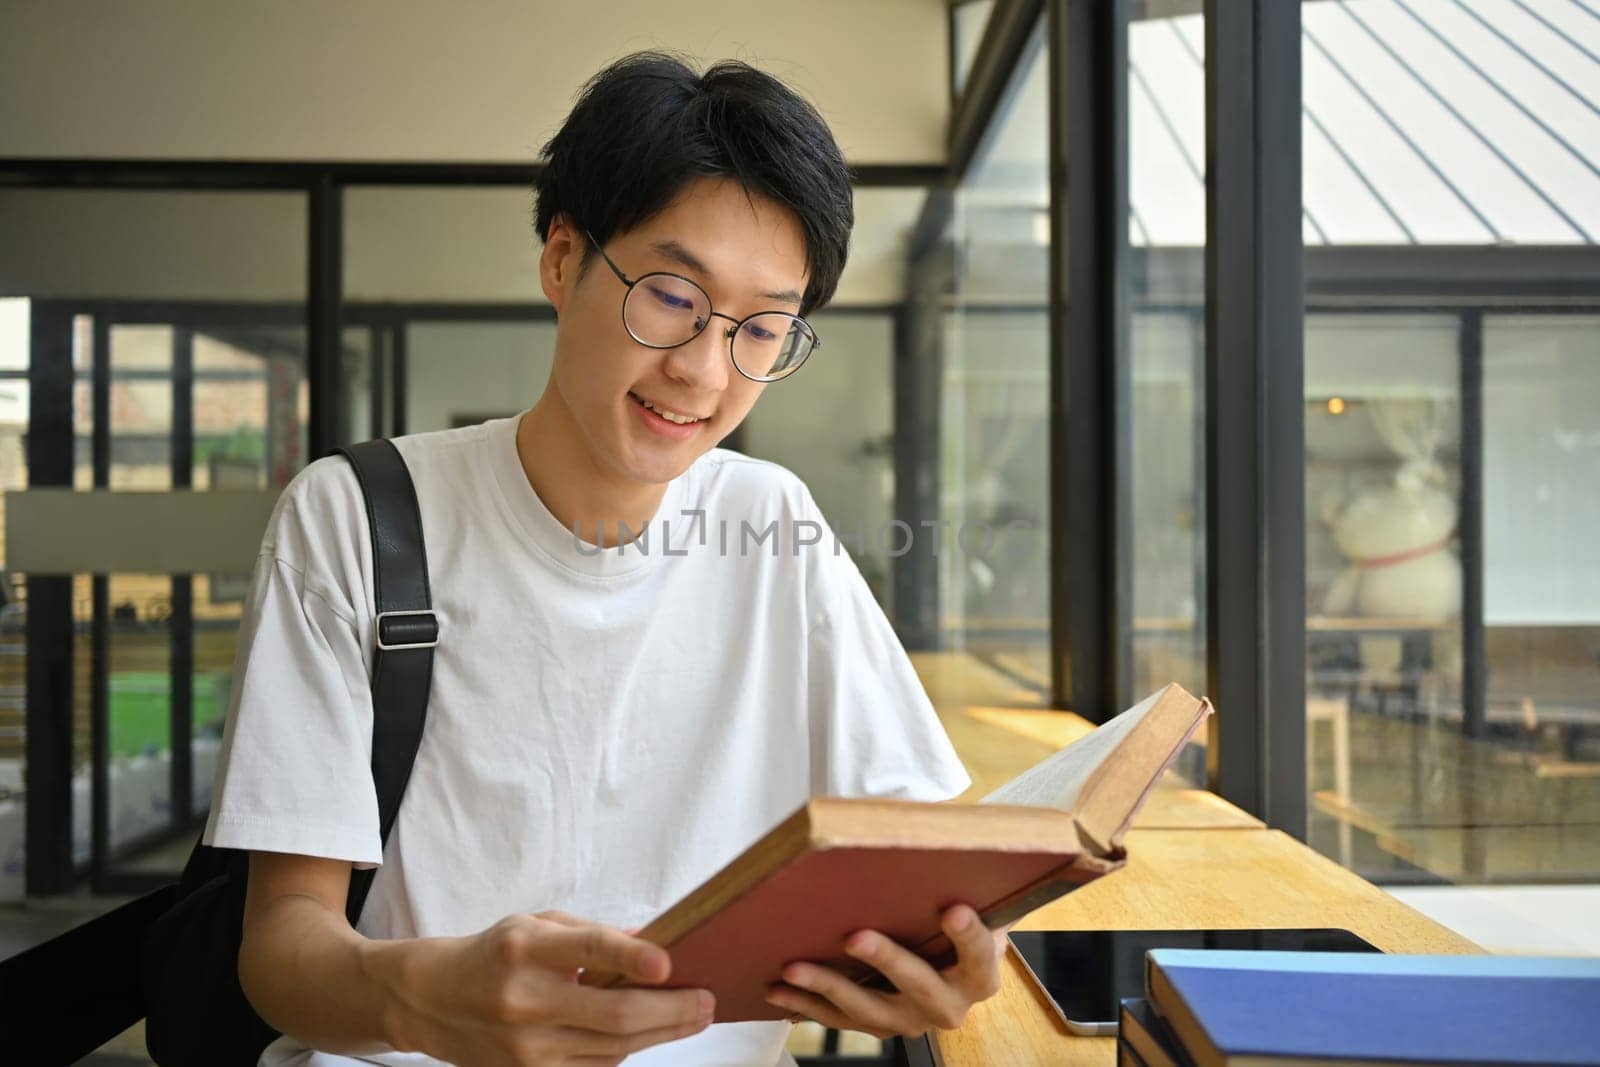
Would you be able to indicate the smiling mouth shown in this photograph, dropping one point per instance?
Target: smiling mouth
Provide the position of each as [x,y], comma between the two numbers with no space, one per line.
[675,417]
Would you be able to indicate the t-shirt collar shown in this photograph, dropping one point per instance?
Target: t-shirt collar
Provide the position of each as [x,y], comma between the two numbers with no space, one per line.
[533,520]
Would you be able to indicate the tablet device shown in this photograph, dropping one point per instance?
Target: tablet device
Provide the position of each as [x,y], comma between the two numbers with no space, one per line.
[1086,973]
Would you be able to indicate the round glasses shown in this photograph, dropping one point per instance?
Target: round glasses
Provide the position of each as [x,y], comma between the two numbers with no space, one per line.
[665,310]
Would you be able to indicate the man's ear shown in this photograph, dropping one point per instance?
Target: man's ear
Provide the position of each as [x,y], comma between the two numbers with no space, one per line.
[559,261]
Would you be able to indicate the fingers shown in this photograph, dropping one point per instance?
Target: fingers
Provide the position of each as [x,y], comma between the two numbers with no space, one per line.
[867,1009]
[563,946]
[936,1000]
[978,950]
[924,997]
[565,918]
[815,1007]
[631,1011]
[609,1048]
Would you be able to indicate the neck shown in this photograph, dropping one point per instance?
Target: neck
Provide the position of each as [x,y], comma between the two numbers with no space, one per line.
[573,483]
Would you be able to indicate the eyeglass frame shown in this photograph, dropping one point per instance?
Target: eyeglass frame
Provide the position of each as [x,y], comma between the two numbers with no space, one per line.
[816,342]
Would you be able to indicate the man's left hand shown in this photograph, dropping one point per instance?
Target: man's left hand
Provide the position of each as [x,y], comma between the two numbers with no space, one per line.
[923,998]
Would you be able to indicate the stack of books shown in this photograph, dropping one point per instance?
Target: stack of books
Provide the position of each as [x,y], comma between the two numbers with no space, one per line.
[1243,1009]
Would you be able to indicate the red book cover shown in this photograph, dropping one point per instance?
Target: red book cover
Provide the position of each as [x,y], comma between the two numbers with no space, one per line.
[839,865]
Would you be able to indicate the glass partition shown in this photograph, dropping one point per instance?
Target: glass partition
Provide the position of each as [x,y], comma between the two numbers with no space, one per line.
[165,332]
[1167,236]
[446,322]
[1451,438]
[994,590]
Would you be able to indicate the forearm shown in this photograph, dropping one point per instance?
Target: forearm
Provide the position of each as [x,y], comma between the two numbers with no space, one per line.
[309,975]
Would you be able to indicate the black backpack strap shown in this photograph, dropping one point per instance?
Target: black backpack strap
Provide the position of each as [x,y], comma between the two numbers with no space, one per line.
[407,632]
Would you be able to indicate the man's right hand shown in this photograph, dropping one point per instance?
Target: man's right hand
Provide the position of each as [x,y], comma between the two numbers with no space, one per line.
[510,995]
[506,996]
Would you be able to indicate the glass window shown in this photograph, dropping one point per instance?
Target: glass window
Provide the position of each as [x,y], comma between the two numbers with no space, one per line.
[448,323]
[1383,568]
[464,372]
[1166,235]
[141,407]
[140,685]
[850,469]
[852,378]
[1541,449]
[1453,723]
[1541,431]
[197,291]
[994,387]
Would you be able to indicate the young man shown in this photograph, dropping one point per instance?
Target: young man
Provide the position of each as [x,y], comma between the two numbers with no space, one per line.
[612,717]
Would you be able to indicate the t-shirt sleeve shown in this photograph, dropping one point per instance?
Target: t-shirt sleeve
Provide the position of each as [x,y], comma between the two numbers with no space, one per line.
[874,732]
[294,772]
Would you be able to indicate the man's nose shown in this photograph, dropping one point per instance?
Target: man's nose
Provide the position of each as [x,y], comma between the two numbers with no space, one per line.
[703,363]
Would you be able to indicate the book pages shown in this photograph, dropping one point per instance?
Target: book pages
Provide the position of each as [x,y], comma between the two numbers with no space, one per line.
[1058,780]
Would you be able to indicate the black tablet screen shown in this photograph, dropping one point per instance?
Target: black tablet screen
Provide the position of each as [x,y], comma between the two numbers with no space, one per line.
[1087,972]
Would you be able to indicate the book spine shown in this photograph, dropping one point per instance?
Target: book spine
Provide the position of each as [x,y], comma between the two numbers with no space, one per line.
[1186,1030]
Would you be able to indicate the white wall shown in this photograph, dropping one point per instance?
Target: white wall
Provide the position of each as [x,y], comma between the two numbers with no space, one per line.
[486,81]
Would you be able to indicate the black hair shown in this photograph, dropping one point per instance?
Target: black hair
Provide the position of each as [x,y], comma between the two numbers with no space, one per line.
[647,125]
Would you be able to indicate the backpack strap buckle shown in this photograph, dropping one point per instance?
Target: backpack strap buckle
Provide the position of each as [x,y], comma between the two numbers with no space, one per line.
[399,630]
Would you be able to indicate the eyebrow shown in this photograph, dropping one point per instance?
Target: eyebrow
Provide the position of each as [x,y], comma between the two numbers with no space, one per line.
[679,254]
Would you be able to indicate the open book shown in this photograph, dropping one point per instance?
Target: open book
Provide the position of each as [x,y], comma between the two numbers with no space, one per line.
[839,865]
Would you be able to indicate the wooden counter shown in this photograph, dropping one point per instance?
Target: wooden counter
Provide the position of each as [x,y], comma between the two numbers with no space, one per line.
[1186,879]
[1195,862]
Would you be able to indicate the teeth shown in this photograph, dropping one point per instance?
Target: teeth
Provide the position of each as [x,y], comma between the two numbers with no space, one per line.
[670,416]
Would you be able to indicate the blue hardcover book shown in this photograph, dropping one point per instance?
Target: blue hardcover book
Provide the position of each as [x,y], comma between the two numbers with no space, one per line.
[1238,1009]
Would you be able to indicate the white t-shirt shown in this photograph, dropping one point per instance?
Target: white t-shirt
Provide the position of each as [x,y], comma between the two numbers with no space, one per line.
[606,728]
